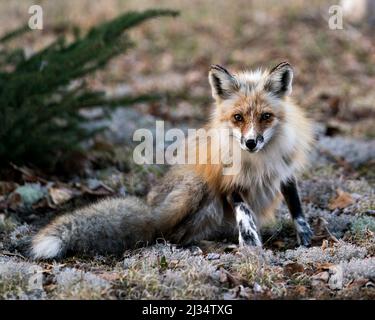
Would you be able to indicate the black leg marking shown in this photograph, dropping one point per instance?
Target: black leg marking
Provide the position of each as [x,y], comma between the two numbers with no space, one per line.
[236,199]
[304,232]
[248,233]
[290,193]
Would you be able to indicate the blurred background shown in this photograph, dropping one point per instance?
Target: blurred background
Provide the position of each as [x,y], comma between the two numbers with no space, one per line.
[334,69]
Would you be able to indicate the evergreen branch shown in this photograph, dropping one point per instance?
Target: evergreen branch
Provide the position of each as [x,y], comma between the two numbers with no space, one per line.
[15,33]
[40,114]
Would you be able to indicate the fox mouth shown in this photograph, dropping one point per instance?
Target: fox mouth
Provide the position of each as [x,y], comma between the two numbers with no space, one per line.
[255,150]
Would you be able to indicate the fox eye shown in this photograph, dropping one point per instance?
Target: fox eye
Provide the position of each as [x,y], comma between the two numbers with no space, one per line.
[238,117]
[266,116]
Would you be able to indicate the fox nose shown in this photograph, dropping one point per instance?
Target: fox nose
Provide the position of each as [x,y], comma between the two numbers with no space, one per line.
[251,144]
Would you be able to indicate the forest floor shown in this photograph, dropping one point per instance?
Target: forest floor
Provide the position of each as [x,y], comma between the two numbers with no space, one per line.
[334,82]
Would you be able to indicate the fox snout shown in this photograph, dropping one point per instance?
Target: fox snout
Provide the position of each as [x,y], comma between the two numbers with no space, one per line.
[253,144]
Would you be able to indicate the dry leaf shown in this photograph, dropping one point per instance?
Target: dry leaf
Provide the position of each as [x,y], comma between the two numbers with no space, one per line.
[278,244]
[60,195]
[102,190]
[233,280]
[358,283]
[292,268]
[7,187]
[324,266]
[325,244]
[223,276]
[173,263]
[14,201]
[43,203]
[322,233]
[341,201]
[301,290]
[321,276]
[110,276]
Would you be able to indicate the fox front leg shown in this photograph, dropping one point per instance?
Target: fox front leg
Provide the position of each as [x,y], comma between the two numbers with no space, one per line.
[290,193]
[247,229]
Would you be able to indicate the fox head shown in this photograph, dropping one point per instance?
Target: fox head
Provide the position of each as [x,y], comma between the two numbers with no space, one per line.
[250,103]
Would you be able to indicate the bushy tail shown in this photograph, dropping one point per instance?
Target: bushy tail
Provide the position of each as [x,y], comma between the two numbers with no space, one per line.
[109,226]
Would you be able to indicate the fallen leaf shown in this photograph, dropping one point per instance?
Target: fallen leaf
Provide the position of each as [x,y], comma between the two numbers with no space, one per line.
[324,266]
[173,263]
[223,276]
[7,187]
[292,268]
[233,281]
[322,234]
[41,204]
[110,276]
[14,201]
[301,290]
[321,276]
[358,283]
[60,195]
[278,244]
[341,201]
[98,190]
[325,244]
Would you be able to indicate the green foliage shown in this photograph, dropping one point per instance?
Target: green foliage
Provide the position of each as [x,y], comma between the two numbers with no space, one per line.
[41,97]
[31,193]
[362,224]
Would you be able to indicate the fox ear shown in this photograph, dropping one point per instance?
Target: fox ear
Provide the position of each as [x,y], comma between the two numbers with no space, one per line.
[280,79]
[223,84]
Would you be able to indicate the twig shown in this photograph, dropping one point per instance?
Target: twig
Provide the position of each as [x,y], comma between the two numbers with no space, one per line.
[7,253]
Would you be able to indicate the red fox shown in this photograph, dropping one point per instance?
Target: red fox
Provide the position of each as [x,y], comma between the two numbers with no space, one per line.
[196,201]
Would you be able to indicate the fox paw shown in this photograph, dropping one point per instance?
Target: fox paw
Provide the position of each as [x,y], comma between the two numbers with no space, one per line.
[304,232]
[248,234]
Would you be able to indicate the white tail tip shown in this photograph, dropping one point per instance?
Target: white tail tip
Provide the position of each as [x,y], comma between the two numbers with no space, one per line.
[46,247]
